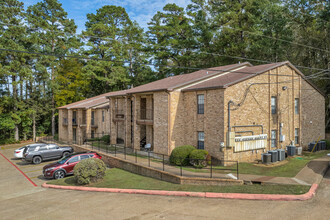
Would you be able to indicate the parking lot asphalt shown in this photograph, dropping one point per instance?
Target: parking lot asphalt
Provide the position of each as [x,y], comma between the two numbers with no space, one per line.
[19,199]
[32,171]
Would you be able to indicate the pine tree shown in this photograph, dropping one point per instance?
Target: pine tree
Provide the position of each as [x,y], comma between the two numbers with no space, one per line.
[172,41]
[55,36]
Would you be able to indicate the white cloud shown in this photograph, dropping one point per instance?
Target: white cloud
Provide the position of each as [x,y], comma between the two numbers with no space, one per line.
[139,10]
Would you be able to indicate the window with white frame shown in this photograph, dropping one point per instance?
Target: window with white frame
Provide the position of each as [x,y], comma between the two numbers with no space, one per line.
[200,144]
[274,104]
[200,104]
[296,106]
[273,138]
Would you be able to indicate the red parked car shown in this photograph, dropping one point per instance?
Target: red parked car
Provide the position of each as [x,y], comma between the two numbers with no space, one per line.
[65,166]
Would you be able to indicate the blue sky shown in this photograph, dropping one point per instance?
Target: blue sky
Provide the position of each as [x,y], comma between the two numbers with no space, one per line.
[138,10]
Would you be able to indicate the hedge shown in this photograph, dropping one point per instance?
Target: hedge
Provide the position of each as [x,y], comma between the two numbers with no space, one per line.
[198,158]
[89,171]
[180,155]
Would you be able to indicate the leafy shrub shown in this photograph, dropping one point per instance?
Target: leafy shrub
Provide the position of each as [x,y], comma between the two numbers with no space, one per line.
[93,139]
[106,139]
[89,171]
[328,144]
[180,155]
[198,158]
[9,141]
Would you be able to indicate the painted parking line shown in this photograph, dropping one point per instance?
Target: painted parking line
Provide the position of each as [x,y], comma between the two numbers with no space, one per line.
[34,177]
[30,166]
[19,170]
[31,171]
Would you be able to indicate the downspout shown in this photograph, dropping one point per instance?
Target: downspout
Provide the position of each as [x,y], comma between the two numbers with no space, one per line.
[132,129]
[230,102]
[169,120]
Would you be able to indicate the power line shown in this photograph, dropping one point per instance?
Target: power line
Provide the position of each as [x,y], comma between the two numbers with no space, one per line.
[278,39]
[254,33]
[128,62]
[166,47]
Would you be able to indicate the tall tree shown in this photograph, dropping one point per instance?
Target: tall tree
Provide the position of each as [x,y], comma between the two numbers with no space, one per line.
[14,69]
[54,31]
[108,29]
[172,40]
[204,32]
[233,20]
[72,85]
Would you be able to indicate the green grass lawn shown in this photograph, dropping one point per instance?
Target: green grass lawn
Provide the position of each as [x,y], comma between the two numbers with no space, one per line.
[117,178]
[289,169]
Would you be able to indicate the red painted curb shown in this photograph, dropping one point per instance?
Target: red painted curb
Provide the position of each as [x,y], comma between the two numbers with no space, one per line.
[274,197]
[19,170]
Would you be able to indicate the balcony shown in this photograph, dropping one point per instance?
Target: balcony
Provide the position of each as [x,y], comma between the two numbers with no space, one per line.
[145,117]
[65,122]
[118,115]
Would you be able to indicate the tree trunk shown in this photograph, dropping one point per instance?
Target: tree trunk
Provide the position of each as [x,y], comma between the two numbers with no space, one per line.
[34,126]
[15,105]
[53,99]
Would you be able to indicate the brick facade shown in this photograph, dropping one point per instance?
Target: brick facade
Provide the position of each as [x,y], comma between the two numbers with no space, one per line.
[168,118]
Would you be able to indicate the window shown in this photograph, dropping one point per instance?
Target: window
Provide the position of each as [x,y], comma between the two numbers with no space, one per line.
[93,117]
[74,159]
[92,134]
[102,116]
[52,147]
[82,157]
[42,148]
[273,138]
[274,104]
[296,135]
[200,104]
[200,144]
[296,106]
[74,117]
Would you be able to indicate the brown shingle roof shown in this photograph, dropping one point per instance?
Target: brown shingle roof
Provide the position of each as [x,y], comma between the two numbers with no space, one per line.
[119,93]
[175,81]
[234,77]
[88,103]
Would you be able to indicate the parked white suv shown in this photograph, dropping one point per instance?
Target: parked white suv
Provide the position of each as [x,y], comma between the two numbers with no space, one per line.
[18,153]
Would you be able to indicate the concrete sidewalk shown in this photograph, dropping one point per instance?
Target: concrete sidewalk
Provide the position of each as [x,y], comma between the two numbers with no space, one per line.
[312,173]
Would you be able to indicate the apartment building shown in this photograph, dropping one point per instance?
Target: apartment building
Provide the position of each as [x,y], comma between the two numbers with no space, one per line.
[236,112]
[84,119]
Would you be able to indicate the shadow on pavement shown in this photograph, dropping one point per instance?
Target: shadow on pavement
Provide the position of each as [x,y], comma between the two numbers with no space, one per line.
[318,166]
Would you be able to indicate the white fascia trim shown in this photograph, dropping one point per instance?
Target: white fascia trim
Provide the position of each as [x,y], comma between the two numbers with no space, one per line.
[213,77]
